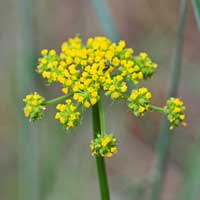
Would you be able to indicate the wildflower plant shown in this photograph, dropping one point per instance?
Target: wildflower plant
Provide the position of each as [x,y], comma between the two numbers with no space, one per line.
[88,71]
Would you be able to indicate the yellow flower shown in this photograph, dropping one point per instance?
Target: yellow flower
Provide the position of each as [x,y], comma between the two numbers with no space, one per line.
[139,101]
[34,106]
[148,95]
[175,111]
[112,88]
[67,115]
[108,155]
[104,145]
[65,90]
[115,61]
[86,104]
[113,150]
[143,55]
[93,101]
[44,52]
[115,95]
[105,141]
[52,52]
[140,75]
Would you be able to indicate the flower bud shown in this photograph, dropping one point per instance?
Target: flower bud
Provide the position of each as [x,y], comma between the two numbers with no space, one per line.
[34,106]
[139,101]
[104,145]
[174,110]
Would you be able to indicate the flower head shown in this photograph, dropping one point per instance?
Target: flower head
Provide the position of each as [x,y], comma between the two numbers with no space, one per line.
[104,145]
[175,111]
[34,106]
[115,87]
[68,114]
[139,101]
[100,63]
[48,65]
[85,69]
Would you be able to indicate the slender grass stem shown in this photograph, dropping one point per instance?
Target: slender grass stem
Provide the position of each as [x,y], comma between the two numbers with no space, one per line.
[99,128]
[176,63]
[163,140]
[196,8]
[28,153]
[59,99]
[105,19]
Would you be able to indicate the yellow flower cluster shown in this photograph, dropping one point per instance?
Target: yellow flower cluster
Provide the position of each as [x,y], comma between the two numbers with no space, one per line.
[116,87]
[67,115]
[104,145]
[138,68]
[48,65]
[174,110]
[139,101]
[34,106]
[85,68]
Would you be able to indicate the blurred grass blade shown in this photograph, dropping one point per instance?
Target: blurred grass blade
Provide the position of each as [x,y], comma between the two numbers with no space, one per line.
[191,183]
[28,145]
[105,19]
[196,7]
[163,140]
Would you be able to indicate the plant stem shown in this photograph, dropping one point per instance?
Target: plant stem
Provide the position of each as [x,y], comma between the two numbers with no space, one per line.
[57,100]
[157,109]
[105,19]
[28,145]
[163,140]
[196,8]
[176,63]
[99,128]
[101,116]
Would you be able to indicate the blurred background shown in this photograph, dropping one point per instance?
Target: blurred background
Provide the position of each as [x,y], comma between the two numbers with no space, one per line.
[40,161]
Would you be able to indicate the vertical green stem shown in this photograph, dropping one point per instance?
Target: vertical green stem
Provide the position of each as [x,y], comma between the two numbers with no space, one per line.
[101,117]
[190,186]
[176,64]
[28,145]
[196,8]
[99,128]
[163,140]
[105,19]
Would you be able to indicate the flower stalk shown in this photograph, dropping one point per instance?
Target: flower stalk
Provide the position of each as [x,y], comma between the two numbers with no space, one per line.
[157,109]
[99,128]
[59,99]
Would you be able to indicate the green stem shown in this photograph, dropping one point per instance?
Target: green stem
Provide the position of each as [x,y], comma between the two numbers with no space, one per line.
[101,117]
[28,135]
[163,140]
[59,99]
[196,8]
[105,19]
[99,128]
[176,63]
[157,109]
